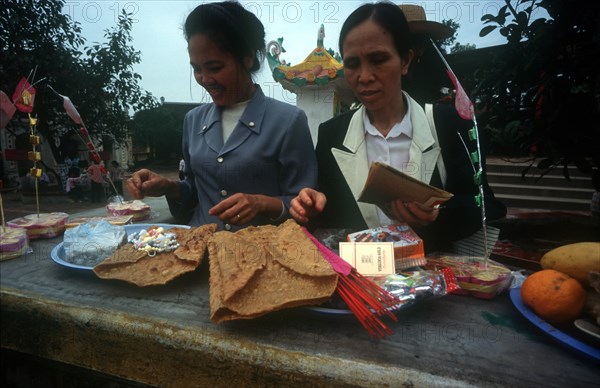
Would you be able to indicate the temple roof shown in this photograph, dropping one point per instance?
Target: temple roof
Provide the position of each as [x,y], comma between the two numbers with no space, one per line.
[318,69]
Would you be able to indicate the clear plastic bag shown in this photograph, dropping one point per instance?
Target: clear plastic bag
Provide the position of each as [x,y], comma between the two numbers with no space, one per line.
[90,243]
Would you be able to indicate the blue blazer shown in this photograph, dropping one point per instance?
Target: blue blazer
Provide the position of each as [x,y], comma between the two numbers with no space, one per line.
[269,152]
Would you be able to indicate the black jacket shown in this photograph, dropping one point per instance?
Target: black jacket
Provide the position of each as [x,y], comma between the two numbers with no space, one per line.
[460,216]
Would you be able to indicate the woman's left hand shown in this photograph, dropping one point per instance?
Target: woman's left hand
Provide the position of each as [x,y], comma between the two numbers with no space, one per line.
[238,209]
[414,213]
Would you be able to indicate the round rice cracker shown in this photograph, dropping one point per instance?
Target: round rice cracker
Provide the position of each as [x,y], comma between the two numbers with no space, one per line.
[247,281]
[137,267]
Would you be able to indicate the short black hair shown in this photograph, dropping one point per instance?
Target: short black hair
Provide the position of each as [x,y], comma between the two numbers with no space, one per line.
[230,26]
[388,15]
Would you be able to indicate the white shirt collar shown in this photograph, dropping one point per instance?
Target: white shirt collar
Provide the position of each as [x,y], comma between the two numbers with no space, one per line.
[403,127]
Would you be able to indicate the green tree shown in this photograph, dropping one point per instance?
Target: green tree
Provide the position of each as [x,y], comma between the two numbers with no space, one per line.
[547,76]
[448,42]
[458,48]
[160,129]
[520,61]
[36,36]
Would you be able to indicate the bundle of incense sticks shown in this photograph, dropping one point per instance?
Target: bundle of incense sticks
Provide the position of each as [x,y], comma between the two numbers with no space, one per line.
[367,301]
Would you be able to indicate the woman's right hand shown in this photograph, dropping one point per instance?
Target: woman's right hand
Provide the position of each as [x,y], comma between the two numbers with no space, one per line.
[147,183]
[307,204]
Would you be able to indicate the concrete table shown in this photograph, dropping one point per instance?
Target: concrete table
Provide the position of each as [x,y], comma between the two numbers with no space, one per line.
[163,336]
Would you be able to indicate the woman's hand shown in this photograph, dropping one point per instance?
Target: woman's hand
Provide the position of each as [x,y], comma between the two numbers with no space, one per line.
[307,205]
[414,213]
[147,183]
[241,208]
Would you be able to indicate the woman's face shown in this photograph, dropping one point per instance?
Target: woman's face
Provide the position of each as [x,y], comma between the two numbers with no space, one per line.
[217,71]
[373,67]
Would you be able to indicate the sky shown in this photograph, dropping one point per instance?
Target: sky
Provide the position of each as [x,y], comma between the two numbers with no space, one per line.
[165,69]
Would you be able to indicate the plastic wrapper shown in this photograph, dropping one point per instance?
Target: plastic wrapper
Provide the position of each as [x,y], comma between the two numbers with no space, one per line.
[43,225]
[410,287]
[90,243]
[474,275]
[14,242]
[331,237]
[137,209]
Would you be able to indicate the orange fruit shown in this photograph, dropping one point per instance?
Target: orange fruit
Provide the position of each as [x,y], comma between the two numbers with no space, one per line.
[554,296]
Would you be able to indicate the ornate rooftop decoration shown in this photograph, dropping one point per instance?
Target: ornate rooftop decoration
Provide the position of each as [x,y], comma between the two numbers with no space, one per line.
[319,68]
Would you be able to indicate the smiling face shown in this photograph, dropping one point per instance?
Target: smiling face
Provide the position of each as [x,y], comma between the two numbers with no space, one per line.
[216,70]
[373,67]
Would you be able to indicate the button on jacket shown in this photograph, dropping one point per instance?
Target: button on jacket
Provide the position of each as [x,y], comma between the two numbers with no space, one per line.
[269,152]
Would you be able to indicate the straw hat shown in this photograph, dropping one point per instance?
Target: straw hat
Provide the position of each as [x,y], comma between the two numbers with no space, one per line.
[418,23]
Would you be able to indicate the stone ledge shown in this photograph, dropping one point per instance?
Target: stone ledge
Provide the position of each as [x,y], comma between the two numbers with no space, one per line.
[158,352]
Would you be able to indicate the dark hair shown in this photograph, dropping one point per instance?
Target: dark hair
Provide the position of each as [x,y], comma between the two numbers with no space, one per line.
[388,15]
[230,26]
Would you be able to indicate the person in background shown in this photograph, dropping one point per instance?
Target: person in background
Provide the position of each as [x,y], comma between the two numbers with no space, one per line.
[182,169]
[96,175]
[246,155]
[27,182]
[392,128]
[116,176]
[426,76]
[74,186]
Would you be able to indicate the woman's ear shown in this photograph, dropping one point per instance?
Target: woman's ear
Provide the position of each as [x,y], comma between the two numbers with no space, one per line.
[407,61]
[249,61]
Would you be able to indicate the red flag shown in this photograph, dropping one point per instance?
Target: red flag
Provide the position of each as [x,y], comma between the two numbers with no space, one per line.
[71,111]
[24,96]
[463,104]
[7,109]
[69,107]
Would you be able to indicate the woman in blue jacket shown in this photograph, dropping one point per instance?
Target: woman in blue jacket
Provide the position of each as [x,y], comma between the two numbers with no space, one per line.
[246,155]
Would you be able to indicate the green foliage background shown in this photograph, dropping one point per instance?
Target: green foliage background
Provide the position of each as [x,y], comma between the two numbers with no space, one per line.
[37,38]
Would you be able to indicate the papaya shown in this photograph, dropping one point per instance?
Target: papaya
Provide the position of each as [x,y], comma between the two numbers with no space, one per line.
[576,260]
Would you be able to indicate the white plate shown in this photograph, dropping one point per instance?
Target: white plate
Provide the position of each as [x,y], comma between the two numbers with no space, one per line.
[345,311]
[58,252]
[588,327]
[328,310]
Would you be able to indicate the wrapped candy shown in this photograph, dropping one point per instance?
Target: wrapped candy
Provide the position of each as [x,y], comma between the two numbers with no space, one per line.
[410,287]
[413,286]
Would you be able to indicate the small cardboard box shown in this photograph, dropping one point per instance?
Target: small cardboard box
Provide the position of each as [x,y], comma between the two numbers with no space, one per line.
[408,246]
[369,258]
